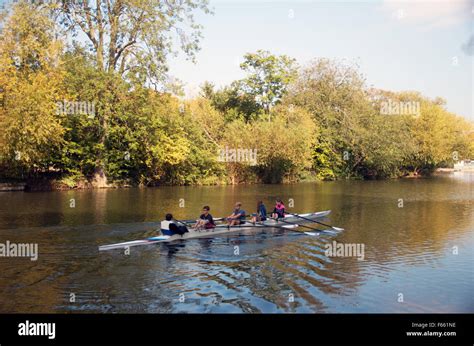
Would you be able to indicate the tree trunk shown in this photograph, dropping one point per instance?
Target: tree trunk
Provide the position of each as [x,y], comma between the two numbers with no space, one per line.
[99,179]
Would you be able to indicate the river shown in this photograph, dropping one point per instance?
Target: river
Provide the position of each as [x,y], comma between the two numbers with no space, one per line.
[418,237]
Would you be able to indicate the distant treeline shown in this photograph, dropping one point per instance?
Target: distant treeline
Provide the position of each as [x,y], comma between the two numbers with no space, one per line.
[85,99]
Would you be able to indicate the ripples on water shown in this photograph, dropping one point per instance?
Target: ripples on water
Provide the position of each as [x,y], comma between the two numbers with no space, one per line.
[407,251]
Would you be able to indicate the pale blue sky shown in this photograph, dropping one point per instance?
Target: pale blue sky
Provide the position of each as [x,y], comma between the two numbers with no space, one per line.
[403,45]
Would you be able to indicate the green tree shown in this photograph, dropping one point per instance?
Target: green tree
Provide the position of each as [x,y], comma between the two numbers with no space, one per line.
[283,146]
[334,94]
[356,137]
[133,38]
[269,77]
[234,103]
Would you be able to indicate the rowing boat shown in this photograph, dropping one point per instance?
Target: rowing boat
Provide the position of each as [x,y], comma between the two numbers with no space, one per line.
[287,222]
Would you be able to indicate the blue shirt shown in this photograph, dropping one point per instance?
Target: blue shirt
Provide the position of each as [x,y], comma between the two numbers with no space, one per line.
[240,212]
[262,211]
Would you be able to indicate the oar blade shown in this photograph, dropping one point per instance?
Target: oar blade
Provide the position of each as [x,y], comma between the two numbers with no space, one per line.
[314,234]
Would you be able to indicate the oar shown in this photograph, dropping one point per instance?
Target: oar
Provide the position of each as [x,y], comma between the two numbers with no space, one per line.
[183,222]
[321,223]
[193,221]
[262,225]
[276,226]
[291,223]
[282,227]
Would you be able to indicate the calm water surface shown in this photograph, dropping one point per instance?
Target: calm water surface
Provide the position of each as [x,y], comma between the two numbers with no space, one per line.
[409,250]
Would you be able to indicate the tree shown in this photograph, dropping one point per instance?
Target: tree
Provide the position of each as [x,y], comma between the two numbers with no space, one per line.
[31,80]
[133,37]
[145,136]
[269,77]
[334,95]
[440,138]
[357,137]
[283,146]
[233,102]
[203,127]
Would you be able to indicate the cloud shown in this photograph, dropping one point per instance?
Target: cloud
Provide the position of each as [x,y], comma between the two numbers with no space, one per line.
[468,47]
[429,14]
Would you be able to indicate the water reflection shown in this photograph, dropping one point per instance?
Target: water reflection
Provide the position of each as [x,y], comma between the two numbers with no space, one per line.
[408,249]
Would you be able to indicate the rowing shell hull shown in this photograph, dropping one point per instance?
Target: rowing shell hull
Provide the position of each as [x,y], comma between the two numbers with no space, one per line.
[219,230]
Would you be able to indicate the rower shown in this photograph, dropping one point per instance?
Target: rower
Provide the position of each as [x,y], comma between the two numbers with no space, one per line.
[205,219]
[279,210]
[238,215]
[261,214]
[169,226]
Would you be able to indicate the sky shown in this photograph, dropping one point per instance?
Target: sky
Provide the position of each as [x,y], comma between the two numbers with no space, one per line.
[426,46]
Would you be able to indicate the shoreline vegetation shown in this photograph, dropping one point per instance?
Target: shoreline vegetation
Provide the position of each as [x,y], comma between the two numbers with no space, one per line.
[55,184]
[51,184]
[102,111]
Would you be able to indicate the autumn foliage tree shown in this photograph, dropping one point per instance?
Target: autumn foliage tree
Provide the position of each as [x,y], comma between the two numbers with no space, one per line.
[31,81]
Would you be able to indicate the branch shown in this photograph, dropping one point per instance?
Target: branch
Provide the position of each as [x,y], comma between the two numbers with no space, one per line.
[132,41]
[209,136]
[90,32]
[100,28]
[121,50]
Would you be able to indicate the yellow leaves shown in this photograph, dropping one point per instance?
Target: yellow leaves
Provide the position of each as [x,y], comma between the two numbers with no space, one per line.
[171,149]
[31,83]
[439,133]
[289,136]
[30,123]
[28,41]
[206,117]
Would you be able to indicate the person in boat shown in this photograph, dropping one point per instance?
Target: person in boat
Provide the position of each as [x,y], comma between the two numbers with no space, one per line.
[261,214]
[238,215]
[170,226]
[279,210]
[205,220]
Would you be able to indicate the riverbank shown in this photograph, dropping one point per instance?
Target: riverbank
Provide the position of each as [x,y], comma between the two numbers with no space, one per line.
[43,185]
[7,187]
[69,183]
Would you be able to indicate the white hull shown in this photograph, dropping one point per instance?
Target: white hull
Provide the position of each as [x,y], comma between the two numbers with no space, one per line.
[219,230]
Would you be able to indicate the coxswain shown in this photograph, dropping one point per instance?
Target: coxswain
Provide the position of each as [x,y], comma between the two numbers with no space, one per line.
[170,227]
